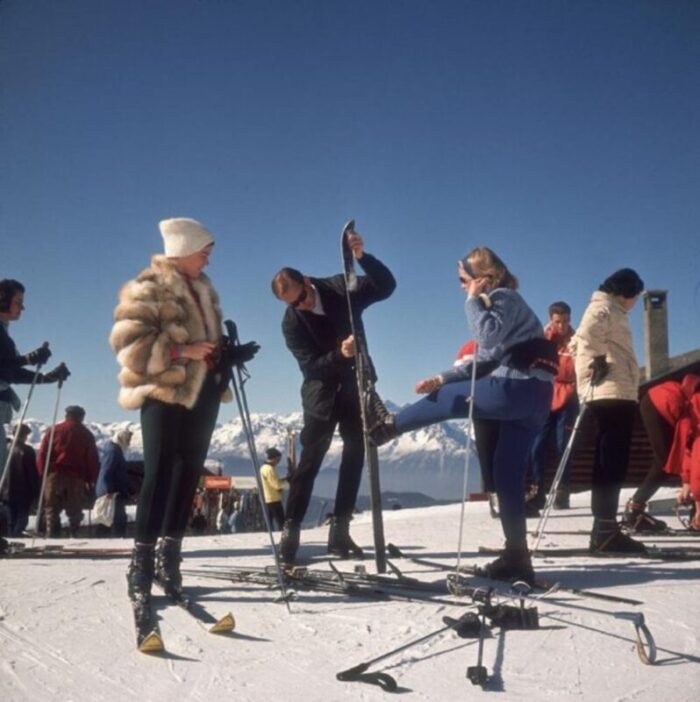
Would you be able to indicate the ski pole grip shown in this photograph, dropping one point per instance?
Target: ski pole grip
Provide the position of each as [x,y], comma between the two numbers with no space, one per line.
[232,331]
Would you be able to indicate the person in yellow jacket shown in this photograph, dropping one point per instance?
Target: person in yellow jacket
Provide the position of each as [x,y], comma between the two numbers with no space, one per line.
[273,486]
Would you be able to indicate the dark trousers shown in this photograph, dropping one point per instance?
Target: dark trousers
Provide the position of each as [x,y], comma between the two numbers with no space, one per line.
[660,434]
[19,518]
[520,408]
[315,440]
[175,445]
[615,420]
[558,426]
[275,511]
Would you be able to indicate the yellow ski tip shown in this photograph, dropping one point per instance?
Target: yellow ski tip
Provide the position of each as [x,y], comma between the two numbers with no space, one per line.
[226,623]
[152,643]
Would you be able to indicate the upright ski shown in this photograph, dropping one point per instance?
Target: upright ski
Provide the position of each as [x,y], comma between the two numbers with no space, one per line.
[365,388]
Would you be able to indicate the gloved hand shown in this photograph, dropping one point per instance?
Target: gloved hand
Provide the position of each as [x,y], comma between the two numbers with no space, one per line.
[38,356]
[599,370]
[238,355]
[59,373]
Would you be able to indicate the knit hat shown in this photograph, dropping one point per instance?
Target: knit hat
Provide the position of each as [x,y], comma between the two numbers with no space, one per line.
[625,283]
[272,453]
[183,236]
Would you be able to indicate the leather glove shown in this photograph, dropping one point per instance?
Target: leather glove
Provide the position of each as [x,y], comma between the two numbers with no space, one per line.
[239,355]
[59,373]
[38,356]
[599,370]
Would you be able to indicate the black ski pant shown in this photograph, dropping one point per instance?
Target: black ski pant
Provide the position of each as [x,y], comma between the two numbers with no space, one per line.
[315,440]
[275,511]
[175,445]
[615,420]
[660,434]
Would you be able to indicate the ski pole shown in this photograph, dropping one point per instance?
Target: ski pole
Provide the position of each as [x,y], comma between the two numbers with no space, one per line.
[239,375]
[358,672]
[23,414]
[470,428]
[539,532]
[47,463]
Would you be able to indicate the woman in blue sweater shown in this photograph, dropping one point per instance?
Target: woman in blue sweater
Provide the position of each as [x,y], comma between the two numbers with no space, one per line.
[515,369]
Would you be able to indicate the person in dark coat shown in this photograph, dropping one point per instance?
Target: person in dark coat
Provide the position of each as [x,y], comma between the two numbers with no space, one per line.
[114,480]
[23,483]
[12,363]
[316,329]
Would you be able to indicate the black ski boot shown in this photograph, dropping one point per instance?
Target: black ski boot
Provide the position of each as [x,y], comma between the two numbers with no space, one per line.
[340,542]
[289,542]
[380,422]
[561,498]
[636,518]
[139,576]
[168,566]
[513,564]
[606,537]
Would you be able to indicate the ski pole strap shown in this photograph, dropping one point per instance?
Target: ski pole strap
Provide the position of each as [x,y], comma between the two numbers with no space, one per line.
[645,644]
[358,674]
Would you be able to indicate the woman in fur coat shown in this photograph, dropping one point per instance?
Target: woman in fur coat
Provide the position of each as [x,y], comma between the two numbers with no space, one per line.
[174,369]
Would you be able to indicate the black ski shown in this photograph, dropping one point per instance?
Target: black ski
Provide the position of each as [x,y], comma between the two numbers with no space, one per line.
[652,553]
[365,386]
[196,610]
[148,637]
[666,533]
[540,583]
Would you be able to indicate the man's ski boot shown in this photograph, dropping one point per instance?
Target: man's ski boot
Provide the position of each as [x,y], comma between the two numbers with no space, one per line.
[289,542]
[340,542]
[167,570]
[561,498]
[636,518]
[139,576]
[606,537]
[514,564]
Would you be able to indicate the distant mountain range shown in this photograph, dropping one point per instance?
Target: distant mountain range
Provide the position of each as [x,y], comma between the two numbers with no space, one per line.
[428,461]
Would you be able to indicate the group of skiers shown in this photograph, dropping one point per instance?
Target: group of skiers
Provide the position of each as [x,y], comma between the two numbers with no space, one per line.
[176,367]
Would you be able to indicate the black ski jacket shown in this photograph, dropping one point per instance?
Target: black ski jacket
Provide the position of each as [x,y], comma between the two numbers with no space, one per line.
[314,340]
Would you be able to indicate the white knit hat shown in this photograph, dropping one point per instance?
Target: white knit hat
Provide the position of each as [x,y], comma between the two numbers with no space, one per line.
[183,236]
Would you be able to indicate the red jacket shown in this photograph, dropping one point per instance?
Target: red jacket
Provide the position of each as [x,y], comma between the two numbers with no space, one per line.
[74,451]
[679,405]
[565,379]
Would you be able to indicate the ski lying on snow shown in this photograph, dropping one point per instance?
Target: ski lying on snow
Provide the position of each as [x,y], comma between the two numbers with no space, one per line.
[665,534]
[20,550]
[196,610]
[652,553]
[540,583]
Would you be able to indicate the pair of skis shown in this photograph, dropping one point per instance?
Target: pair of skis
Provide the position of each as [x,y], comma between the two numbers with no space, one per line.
[148,636]
[365,390]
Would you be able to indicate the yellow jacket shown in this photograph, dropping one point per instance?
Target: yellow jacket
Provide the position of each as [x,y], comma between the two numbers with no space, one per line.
[272,484]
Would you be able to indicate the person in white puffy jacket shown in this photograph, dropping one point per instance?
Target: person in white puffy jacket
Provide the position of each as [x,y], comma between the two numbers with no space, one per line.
[607,377]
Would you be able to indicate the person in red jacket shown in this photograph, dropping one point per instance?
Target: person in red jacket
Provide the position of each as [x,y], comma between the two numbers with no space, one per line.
[73,470]
[671,415]
[562,414]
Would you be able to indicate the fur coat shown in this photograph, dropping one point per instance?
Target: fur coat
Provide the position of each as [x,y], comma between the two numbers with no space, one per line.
[155,311]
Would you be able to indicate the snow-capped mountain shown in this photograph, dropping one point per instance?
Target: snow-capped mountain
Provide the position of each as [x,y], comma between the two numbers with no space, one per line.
[429,461]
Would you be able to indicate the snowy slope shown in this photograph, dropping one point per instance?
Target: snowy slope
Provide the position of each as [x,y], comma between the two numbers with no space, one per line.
[66,633]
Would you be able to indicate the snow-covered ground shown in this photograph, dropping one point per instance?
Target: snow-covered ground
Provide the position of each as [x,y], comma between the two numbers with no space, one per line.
[66,628]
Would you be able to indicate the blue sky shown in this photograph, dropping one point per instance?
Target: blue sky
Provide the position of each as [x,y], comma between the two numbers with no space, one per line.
[562,134]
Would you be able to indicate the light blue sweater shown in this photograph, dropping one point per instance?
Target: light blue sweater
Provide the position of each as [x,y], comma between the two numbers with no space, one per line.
[507,322]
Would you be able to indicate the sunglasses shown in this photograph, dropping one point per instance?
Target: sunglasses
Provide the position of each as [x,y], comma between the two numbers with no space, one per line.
[300,298]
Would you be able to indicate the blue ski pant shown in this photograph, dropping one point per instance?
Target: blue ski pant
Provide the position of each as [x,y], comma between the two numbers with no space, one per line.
[520,408]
